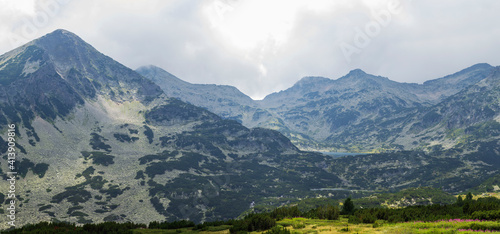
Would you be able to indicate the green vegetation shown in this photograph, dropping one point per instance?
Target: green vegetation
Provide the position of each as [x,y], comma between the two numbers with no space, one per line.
[13,70]
[74,195]
[461,209]
[97,142]
[46,207]
[149,134]
[125,137]
[87,173]
[172,225]
[278,230]
[348,207]
[113,190]
[187,161]
[406,197]
[38,169]
[478,215]
[253,222]
[488,185]
[139,175]
[3,145]
[178,112]
[74,208]
[78,194]
[160,156]
[60,227]
[99,158]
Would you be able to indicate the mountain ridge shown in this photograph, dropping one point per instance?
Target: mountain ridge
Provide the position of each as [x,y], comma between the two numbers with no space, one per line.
[316,110]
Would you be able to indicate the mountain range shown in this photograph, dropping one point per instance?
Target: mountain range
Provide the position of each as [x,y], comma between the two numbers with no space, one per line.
[100,142]
[358,112]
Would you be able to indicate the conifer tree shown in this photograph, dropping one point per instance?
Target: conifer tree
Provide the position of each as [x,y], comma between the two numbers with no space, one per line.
[348,207]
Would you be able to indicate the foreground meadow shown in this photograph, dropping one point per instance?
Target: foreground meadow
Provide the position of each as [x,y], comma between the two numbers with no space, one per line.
[306,226]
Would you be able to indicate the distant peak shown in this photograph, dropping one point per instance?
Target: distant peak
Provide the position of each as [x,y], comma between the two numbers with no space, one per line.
[357,72]
[465,77]
[480,65]
[61,33]
[311,80]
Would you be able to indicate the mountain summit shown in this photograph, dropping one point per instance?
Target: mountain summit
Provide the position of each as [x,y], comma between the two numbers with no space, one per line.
[52,75]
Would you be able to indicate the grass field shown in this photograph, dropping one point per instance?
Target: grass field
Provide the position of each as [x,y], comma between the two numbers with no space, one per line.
[300,225]
[306,226]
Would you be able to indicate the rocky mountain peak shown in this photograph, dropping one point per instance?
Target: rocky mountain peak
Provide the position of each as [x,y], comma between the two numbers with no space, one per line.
[311,80]
[66,50]
[57,36]
[356,72]
[59,71]
[465,77]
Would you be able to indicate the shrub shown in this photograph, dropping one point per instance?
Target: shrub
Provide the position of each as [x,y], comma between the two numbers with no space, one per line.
[278,230]
[486,215]
[378,223]
[253,222]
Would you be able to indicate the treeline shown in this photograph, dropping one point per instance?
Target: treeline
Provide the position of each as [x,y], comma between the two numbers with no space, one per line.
[265,221]
[329,212]
[63,227]
[251,222]
[482,209]
[172,225]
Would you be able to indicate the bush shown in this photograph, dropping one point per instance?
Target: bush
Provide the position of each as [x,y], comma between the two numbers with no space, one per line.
[329,212]
[298,225]
[286,212]
[378,223]
[253,222]
[172,225]
[278,230]
[486,215]
[354,219]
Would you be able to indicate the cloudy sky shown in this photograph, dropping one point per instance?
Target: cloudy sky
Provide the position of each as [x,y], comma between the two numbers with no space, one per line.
[263,46]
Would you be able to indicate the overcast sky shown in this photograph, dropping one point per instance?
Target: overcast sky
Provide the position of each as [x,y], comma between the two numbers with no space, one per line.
[264,46]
